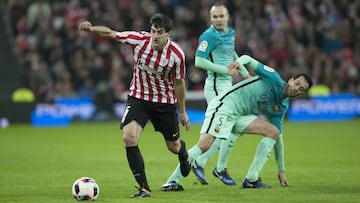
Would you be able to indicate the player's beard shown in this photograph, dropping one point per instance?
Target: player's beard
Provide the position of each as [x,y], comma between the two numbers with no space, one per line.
[157,44]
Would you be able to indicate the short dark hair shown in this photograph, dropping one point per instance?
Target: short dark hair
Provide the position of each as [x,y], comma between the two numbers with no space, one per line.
[307,79]
[160,20]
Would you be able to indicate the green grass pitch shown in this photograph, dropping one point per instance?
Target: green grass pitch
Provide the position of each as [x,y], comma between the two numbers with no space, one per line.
[41,164]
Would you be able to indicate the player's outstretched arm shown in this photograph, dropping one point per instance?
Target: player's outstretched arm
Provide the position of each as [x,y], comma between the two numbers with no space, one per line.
[98,30]
[248,61]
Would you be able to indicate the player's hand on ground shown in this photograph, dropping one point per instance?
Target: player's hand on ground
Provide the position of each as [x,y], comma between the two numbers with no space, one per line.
[86,25]
[184,119]
[282,179]
[233,69]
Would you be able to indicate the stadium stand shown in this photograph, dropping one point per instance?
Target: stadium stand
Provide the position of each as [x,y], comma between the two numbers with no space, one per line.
[321,38]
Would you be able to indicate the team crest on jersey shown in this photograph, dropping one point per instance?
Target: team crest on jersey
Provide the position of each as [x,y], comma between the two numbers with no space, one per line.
[275,108]
[269,69]
[217,129]
[203,46]
[164,62]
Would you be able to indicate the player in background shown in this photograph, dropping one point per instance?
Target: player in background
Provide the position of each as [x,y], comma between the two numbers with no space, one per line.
[216,54]
[157,84]
[267,94]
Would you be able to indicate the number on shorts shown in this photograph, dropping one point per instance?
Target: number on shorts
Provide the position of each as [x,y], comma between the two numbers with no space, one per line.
[125,113]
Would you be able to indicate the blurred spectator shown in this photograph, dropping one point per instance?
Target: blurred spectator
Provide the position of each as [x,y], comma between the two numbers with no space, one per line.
[320,37]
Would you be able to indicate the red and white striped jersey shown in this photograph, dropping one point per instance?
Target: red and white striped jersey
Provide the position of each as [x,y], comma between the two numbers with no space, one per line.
[154,71]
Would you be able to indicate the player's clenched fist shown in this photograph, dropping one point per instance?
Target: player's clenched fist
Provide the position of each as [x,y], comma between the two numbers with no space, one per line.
[86,25]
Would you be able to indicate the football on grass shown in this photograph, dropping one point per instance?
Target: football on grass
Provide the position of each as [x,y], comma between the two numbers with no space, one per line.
[85,188]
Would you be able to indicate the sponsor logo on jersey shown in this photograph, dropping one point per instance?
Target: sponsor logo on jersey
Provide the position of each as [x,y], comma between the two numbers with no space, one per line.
[275,108]
[141,65]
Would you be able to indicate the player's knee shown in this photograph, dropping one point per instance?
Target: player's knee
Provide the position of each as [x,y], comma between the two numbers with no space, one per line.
[205,142]
[131,133]
[129,139]
[273,133]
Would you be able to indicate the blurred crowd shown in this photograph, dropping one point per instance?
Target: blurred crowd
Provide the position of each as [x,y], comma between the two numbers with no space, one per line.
[318,37]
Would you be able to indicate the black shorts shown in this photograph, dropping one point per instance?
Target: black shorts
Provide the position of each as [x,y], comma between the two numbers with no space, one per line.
[163,116]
